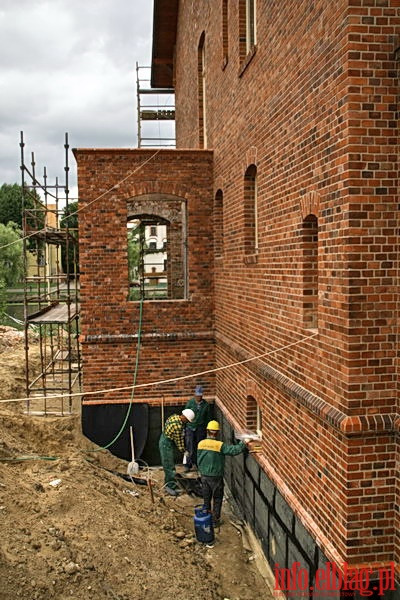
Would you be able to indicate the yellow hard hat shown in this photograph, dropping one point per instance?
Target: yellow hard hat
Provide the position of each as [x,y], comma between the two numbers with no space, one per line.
[213,426]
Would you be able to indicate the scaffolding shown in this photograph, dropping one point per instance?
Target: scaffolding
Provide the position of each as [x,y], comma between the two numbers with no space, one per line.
[51,291]
[154,106]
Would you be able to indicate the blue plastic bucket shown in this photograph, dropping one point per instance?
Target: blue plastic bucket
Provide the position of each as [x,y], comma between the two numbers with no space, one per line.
[203,525]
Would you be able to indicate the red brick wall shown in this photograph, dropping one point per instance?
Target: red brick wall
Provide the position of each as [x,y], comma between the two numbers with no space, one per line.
[314,109]
[177,335]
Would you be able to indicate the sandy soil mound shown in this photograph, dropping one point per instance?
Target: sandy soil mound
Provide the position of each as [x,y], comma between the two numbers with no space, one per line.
[72,528]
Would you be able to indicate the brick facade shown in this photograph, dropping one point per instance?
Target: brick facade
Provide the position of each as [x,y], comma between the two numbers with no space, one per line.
[302,126]
[313,108]
[177,336]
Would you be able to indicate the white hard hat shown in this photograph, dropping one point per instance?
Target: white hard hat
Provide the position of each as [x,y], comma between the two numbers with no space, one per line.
[189,414]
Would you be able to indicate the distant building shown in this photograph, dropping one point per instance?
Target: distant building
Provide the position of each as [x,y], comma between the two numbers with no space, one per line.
[155,263]
[47,261]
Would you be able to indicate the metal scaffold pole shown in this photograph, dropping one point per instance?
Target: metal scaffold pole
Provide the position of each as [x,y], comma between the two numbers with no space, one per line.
[155,112]
[51,290]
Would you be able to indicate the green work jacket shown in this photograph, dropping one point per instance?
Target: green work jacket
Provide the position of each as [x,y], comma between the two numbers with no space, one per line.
[202,411]
[211,456]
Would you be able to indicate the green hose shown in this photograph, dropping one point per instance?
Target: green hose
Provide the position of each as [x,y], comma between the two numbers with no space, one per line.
[134,383]
[37,457]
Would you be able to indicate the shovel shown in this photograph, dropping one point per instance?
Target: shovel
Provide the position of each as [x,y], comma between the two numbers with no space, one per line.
[133,467]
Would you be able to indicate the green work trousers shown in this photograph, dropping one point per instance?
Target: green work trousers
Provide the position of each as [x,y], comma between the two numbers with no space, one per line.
[167,454]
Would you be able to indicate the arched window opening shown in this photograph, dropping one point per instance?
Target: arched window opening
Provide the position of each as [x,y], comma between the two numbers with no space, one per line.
[201,67]
[310,271]
[250,211]
[218,223]
[146,256]
[157,264]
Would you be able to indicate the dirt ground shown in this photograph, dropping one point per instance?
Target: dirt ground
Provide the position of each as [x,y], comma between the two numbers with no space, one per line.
[73,529]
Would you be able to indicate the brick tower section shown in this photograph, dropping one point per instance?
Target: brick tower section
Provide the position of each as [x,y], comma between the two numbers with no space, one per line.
[311,112]
[177,335]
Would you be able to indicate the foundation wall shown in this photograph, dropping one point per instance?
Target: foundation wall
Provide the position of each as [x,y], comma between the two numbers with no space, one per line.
[293,554]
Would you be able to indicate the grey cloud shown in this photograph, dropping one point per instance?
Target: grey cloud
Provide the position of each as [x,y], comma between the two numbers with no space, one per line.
[68,65]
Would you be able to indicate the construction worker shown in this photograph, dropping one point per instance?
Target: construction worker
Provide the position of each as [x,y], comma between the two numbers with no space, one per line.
[196,430]
[171,438]
[211,460]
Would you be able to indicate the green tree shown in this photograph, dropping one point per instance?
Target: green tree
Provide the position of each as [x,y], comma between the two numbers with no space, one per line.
[11,261]
[136,248]
[134,252]
[70,220]
[13,198]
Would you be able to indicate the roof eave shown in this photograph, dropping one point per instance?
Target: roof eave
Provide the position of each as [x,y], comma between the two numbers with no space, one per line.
[165,19]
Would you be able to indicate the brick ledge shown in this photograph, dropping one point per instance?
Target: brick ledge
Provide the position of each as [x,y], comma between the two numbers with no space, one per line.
[348,425]
[125,338]
[308,521]
[290,498]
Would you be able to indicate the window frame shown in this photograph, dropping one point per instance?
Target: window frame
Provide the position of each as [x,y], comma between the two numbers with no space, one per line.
[247,33]
[251,25]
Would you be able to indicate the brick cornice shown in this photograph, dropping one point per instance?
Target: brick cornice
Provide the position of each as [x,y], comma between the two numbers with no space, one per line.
[127,338]
[347,425]
[290,498]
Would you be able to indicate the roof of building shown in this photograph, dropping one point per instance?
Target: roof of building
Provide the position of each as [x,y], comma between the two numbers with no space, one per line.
[165,18]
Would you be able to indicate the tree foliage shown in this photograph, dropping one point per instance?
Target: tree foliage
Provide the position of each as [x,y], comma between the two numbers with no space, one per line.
[134,252]
[70,220]
[11,258]
[70,216]
[12,200]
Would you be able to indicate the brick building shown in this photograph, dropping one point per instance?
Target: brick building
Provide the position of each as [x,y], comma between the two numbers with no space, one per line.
[286,176]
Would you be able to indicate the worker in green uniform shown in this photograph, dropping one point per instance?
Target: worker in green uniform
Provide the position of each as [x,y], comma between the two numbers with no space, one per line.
[211,461]
[196,430]
[171,438]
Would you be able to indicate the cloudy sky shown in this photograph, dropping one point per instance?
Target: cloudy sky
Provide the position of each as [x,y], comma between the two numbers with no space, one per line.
[69,66]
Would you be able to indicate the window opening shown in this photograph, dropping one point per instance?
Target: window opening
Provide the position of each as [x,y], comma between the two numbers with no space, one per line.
[202,92]
[225,48]
[166,252]
[247,27]
[147,276]
[250,211]
[219,223]
[310,271]
[253,416]
[250,24]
